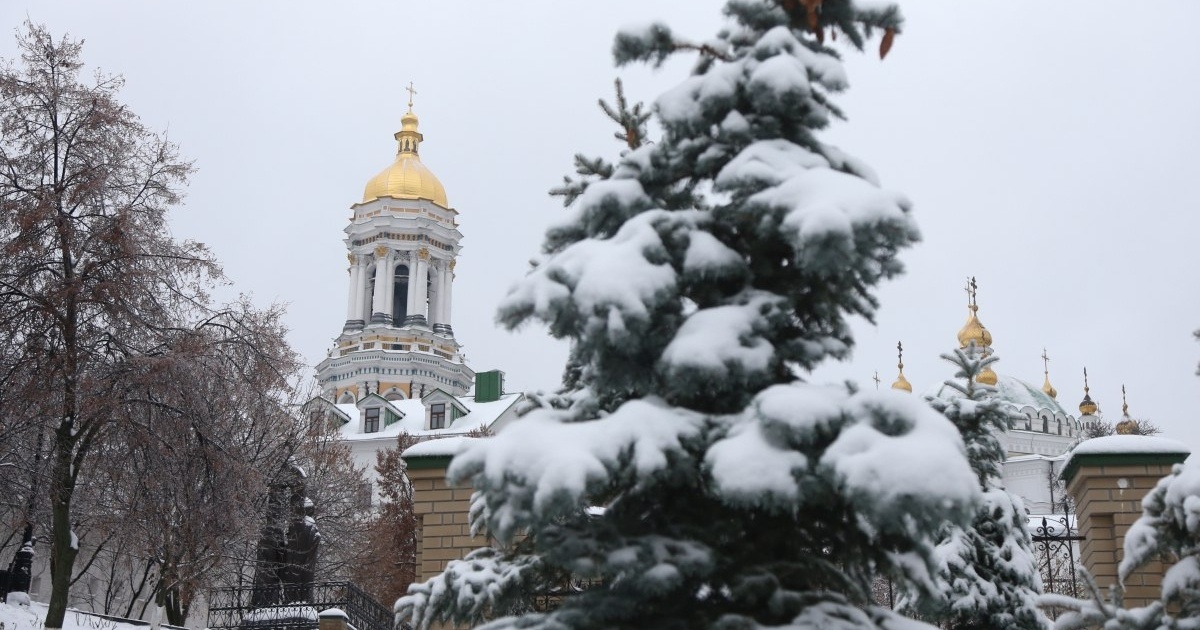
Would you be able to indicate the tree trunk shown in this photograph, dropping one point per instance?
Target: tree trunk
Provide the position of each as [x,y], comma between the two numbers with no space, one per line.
[62,552]
[177,610]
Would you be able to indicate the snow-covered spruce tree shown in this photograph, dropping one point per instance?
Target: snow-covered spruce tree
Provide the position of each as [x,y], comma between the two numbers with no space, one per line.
[697,283]
[987,571]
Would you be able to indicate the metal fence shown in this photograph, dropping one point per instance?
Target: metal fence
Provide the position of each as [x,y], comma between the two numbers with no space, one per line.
[230,608]
[1055,543]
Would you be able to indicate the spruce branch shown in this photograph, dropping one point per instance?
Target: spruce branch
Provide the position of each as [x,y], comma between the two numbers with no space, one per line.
[632,122]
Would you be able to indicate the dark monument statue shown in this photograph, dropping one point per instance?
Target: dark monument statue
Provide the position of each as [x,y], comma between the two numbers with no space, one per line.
[19,575]
[287,548]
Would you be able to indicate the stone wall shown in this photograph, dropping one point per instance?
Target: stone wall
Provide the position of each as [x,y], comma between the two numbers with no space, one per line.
[442,510]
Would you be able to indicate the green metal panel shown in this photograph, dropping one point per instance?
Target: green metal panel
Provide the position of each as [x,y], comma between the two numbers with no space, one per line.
[489,386]
[1119,459]
[427,462]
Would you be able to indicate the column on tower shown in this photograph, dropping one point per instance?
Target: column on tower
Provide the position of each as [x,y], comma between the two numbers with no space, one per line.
[435,285]
[354,319]
[360,288]
[418,289]
[364,281]
[389,291]
[411,304]
[441,321]
[449,292]
[383,277]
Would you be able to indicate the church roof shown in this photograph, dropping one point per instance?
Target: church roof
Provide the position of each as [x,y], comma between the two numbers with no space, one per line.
[478,416]
[1012,390]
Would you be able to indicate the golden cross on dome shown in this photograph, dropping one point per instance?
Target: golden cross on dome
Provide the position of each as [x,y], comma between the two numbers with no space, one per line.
[1085,383]
[900,354]
[876,379]
[1045,361]
[411,92]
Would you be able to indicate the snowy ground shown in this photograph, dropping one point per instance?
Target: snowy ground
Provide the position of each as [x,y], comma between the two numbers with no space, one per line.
[32,617]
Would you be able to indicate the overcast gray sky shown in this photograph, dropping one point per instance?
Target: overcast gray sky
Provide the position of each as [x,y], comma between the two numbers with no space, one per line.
[1052,150]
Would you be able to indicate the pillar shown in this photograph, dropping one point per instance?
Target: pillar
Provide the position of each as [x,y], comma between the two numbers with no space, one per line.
[382,277]
[447,298]
[443,513]
[354,319]
[441,324]
[333,619]
[1108,479]
[418,289]
[390,290]
[360,290]
[435,300]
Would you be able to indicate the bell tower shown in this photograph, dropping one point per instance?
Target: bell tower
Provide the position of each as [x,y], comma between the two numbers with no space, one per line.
[402,243]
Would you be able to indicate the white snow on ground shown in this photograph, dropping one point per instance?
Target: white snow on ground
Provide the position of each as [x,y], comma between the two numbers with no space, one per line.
[33,618]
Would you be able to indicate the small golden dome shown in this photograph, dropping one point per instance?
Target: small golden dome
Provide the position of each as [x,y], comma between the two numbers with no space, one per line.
[1087,406]
[1049,389]
[407,177]
[987,376]
[1127,425]
[408,122]
[973,330]
[901,382]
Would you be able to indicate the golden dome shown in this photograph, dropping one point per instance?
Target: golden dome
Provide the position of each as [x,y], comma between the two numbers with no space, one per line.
[973,330]
[407,177]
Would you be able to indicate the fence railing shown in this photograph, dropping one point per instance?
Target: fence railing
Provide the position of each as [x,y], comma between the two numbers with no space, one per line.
[1055,543]
[231,608]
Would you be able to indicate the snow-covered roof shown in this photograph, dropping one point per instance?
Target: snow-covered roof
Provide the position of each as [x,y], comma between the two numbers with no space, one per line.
[1016,459]
[479,416]
[1127,446]
[1130,444]
[444,447]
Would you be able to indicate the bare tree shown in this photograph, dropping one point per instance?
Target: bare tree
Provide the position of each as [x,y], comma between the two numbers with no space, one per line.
[341,496]
[1127,426]
[387,572]
[111,349]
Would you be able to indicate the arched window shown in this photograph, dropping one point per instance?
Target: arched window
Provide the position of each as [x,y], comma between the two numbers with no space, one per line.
[347,398]
[1045,424]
